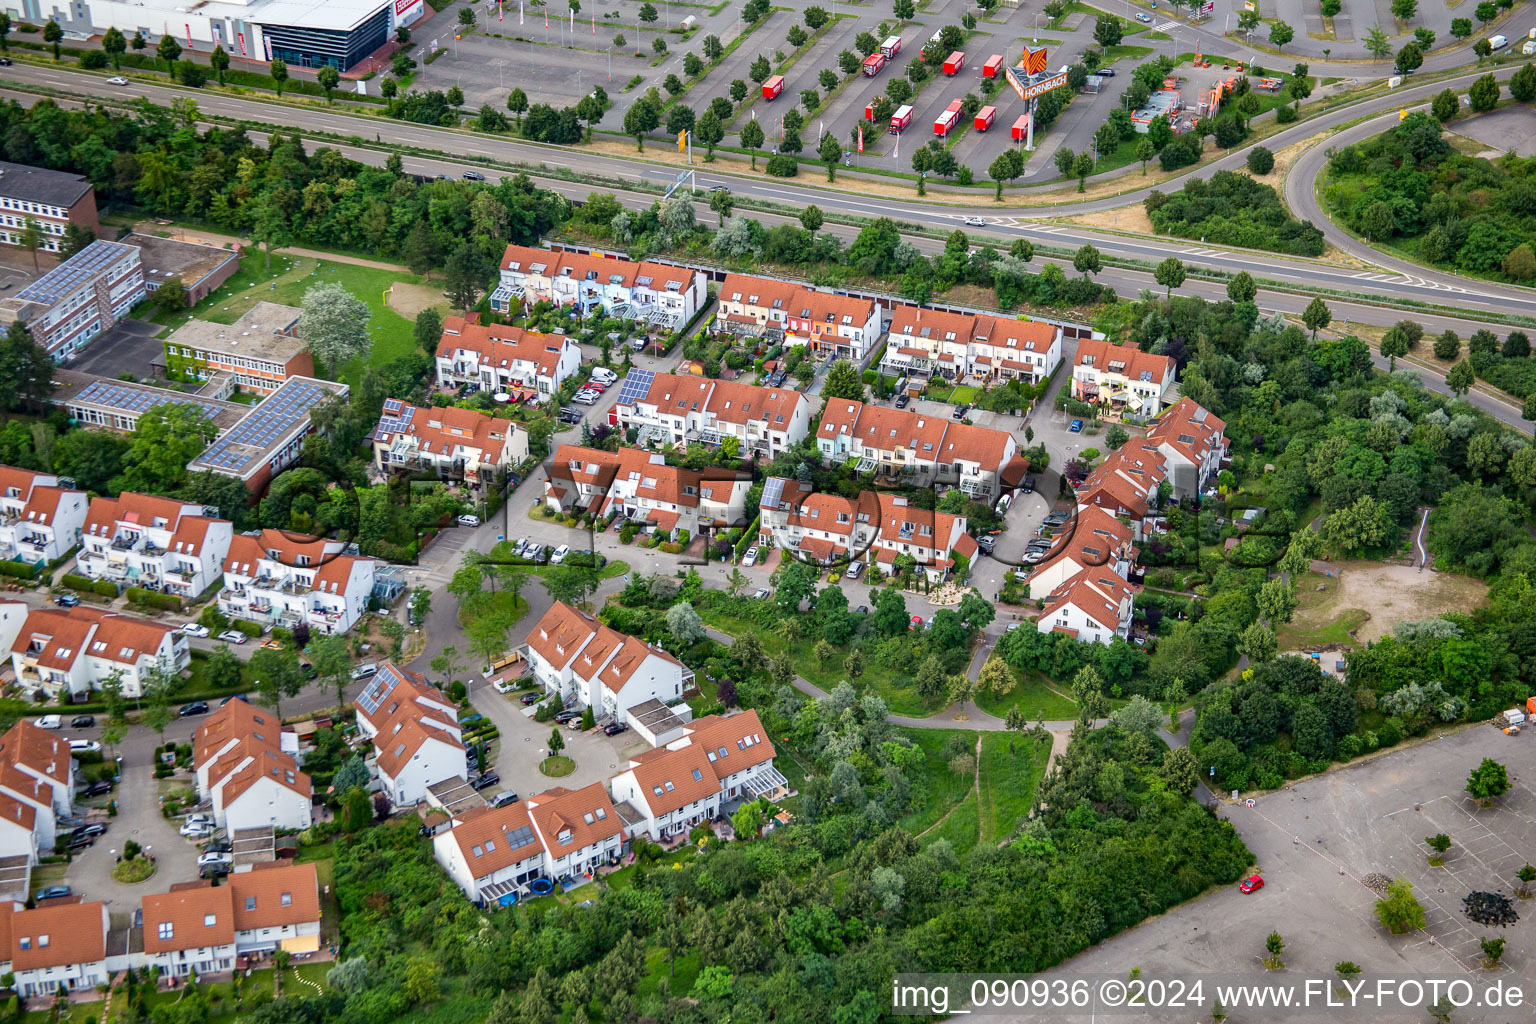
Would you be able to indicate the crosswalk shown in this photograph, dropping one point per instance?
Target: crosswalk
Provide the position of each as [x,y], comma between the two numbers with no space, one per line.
[1206,253]
[1167,26]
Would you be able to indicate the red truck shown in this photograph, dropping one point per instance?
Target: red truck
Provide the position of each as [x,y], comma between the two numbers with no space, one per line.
[993,66]
[902,119]
[873,63]
[773,87]
[984,118]
[945,122]
[1020,130]
[891,47]
[954,62]
[869,109]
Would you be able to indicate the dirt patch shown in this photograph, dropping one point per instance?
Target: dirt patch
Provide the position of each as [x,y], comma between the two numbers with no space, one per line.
[1364,600]
[410,299]
[1126,218]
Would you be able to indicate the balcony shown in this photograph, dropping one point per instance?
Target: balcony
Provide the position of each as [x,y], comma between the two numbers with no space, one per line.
[127,542]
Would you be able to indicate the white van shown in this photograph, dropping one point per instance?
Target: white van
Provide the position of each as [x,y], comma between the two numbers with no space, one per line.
[1498,42]
[1529,47]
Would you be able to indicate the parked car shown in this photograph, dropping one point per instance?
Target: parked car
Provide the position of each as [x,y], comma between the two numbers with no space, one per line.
[49,722]
[614,728]
[761,593]
[536,553]
[66,600]
[1003,503]
[584,398]
[903,400]
[916,623]
[200,818]
[1253,883]
[365,670]
[196,707]
[220,870]
[603,375]
[82,722]
[531,698]
[975,222]
[238,696]
[194,629]
[232,636]
[485,781]
[750,558]
[571,416]
[271,645]
[468,520]
[473,176]
[503,798]
[209,859]
[558,555]
[53,892]
[960,411]
[854,569]
[565,716]
[78,843]
[101,787]
[1029,485]
[92,829]
[1076,427]
[1105,72]
[85,746]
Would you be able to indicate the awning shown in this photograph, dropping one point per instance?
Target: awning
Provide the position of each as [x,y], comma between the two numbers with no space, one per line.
[764,781]
[302,944]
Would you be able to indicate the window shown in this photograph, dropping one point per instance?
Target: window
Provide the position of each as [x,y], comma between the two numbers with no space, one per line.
[167,930]
[250,903]
[697,776]
[26,942]
[209,920]
[490,847]
[564,837]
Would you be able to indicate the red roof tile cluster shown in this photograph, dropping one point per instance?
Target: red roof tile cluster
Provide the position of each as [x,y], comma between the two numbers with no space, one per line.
[57,934]
[502,345]
[186,526]
[1126,361]
[36,494]
[567,636]
[62,635]
[441,430]
[1189,430]
[1098,593]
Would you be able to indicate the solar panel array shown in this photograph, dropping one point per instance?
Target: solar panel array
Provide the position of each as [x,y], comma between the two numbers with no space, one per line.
[636,386]
[519,837]
[773,492]
[382,686]
[73,272]
[127,398]
[264,425]
[397,417]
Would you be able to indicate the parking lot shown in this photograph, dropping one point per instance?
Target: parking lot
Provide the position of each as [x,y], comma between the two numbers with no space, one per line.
[1317,839]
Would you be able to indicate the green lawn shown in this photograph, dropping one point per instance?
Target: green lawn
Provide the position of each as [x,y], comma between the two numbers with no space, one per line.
[962,828]
[1008,782]
[680,976]
[944,788]
[1125,52]
[1032,695]
[239,293]
[505,604]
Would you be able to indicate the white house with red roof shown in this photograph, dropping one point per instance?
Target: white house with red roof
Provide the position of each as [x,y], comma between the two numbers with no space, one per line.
[841,326]
[58,944]
[36,788]
[1121,379]
[975,347]
[828,529]
[661,293]
[75,650]
[580,829]
[640,485]
[915,447]
[275,578]
[1091,539]
[452,442]
[415,732]
[667,408]
[1095,606]
[1126,484]
[141,540]
[502,358]
[39,520]
[1190,440]
[581,659]
[247,769]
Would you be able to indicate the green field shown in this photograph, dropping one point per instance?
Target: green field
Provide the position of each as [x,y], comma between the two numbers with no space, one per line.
[1008,782]
[945,789]
[965,809]
[1034,696]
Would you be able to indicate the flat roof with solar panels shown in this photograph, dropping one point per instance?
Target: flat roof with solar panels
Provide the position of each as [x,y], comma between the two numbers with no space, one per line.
[280,417]
[79,269]
[99,401]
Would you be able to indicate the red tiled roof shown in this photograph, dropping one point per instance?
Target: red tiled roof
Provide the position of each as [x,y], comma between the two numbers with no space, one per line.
[57,935]
[197,917]
[1123,360]
[733,743]
[282,895]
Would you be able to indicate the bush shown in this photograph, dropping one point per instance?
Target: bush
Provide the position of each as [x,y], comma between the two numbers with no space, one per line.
[1261,160]
[782,165]
[151,599]
[246,626]
[214,619]
[1285,114]
[75,581]
[1233,209]
[94,60]
[18,570]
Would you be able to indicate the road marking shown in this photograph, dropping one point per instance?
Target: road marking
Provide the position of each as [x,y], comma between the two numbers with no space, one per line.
[1167,26]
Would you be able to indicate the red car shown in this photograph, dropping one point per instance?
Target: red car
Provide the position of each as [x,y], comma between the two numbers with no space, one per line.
[1252,883]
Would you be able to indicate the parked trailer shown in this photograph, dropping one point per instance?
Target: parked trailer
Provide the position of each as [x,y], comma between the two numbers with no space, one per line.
[902,119]
[891,47]
[993,66]
[945,123]
[773,87]
[984,118]
[1020,130]
[869,109]
[873,64]
[954,62]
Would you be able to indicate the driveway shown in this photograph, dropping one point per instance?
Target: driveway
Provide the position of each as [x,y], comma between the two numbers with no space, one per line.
[129,346]
[525,742]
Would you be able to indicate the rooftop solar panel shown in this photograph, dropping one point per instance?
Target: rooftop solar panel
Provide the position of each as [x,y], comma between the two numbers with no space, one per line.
[773,491]
[75,271]
[636,386]
[126,398]
[260,428]
[382,686]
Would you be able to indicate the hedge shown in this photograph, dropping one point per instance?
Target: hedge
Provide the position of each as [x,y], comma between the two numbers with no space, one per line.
[154,599]
[102,588]
[19,570]
[246,626]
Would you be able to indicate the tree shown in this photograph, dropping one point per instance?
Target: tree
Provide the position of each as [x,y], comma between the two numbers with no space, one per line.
[830,151]
[752,139]
[223,669]
[1394,343]
[1261,160]
[278,676]
[811,218]
[1257,643]
[1438,844]
[713,48]
[1523,85]
[1006,166]
[31,238]
[329,77]
[684,624]
[467,17]
[279,71]
[1484,94]
[1170,274]
[1461,27]
[334,325]
[1425,37]
[1447,346]
[1404,10]
[641,119]
[116,44]
[722,204]
[1486,11]
[843,381]
[517,103]
[1409,58]
[1526,875]
[1376,43]
[1316,316]
[1274,945]
[1108,31]
[1180,771]
[1520,262]
[1082,166]
[1087,261]
[1242,287]
[1488,781]
[905,10]
[556,742]
[1399,910]
[1460,378]
[53,35]
[1493,951]
[331,656]
[1280,33]
[166,438]
[760,69]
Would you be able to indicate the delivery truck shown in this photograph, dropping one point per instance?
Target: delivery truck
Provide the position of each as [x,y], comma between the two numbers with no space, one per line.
[984,118]
[954,62]
[993,67]
[1020,130]
[891,47]
[945,122]
[773,87]
[902,119]
[873,64]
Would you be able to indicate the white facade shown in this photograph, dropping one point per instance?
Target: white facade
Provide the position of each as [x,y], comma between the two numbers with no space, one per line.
[579,658]
[454,443]
[74,651]
[969,347]
[839,326]
[1095,606]
[1122,379]
[675,409]
[502,358]
[281,579]
[39,520]
[640,485]
[656,292]
[140,540]
[415,731]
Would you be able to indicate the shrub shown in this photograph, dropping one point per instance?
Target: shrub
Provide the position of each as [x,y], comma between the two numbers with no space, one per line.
[782,165]
[18,570]
[1261,160]
[152,599]
[246,626]
[1285,114]
[214,619]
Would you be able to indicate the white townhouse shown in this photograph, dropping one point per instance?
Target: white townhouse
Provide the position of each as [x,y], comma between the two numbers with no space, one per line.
[59,944]
[39,520]
[247,769]
[660,293]
[838,326]
[667,408]
[1121,379]
[640,485]
[415,731]
[1190,440]
[72,651]
[1095,606]
[140,540]
[1126,484]
[969,347]
[454,443]
[574,655]
[906,445]
[580,829]
[276,906]
[36,787]
[191,928]
[828,529]
[275,578]
[1091,539]
[502,358]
